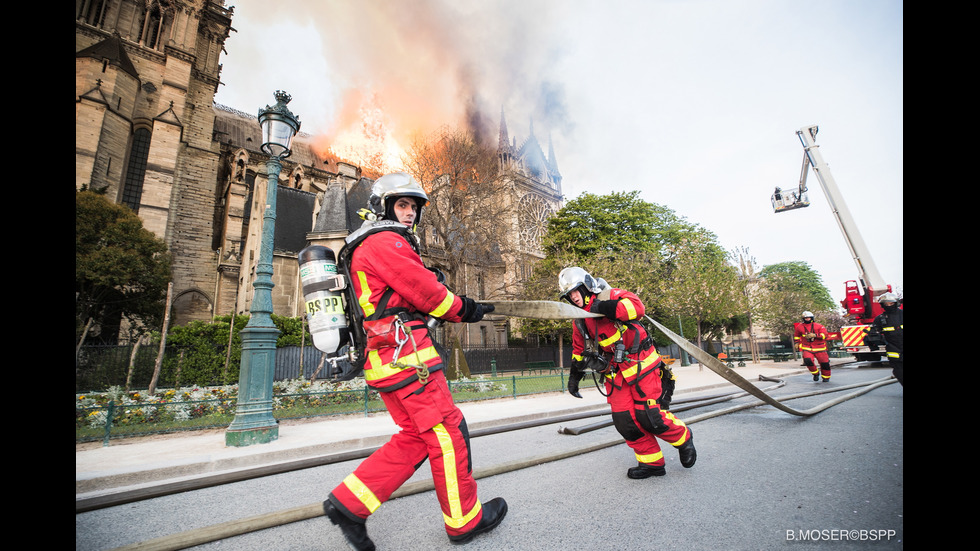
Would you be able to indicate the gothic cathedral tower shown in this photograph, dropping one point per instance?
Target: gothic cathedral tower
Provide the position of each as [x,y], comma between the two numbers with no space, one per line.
[146,73]
[536,185]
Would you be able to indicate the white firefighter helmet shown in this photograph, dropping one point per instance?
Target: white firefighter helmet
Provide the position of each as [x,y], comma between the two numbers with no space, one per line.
[887,297]
[396,184]
[807,314]
[572,278]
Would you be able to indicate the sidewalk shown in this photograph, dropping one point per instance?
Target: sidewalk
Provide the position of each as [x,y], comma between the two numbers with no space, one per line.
[141,461]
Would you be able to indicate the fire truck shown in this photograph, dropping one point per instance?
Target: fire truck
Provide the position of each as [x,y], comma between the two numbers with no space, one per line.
[859,302]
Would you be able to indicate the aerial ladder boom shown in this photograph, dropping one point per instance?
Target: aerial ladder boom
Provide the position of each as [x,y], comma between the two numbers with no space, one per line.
[855,244]
[859,296]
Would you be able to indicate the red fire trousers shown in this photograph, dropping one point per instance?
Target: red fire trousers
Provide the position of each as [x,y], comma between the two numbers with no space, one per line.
[640,420]
[431,427]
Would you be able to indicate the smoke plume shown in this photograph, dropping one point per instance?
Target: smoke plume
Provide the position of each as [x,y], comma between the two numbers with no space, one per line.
[408,68]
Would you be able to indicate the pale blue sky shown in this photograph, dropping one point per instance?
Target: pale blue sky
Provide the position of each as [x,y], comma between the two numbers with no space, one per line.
[695,103]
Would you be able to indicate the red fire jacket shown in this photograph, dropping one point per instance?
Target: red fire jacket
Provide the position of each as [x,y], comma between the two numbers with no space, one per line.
[817,343]
[387,260]
[606,333]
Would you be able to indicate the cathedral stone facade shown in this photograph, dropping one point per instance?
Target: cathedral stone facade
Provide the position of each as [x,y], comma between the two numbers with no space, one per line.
[149,133]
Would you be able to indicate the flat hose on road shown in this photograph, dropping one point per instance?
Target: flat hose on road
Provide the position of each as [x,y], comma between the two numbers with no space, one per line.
[729,375]
[225,530]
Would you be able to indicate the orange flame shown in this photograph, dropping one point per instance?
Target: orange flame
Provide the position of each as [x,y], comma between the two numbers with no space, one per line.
[410,68]
[362,135]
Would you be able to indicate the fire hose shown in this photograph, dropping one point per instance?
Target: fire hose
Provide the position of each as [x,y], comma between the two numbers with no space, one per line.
[729,375]
[306,512]
[278,518]
[543,309]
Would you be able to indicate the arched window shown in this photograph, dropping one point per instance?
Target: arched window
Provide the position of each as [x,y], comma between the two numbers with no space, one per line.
[152,25]
[93,12]
[139,152]
[533,214]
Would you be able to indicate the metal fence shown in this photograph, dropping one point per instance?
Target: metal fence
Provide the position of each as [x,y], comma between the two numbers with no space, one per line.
[100,367]
[139,416]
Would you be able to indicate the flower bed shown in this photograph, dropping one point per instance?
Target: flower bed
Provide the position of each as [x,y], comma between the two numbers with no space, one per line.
[136,412]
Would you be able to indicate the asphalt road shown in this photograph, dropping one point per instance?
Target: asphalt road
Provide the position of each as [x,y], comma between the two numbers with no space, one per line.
[764,480]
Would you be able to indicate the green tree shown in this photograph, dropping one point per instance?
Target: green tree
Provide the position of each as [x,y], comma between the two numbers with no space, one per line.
[748,283]
[631,243]
[701,284]
[200,348]
[799,276]
[121,269]
[786,290]
[620,221]
[778,303]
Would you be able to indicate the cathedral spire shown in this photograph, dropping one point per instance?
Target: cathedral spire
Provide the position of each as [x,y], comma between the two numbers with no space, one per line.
[552,161]
[503,141]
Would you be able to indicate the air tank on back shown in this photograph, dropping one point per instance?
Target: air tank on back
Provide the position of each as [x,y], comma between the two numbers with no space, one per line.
[322,293]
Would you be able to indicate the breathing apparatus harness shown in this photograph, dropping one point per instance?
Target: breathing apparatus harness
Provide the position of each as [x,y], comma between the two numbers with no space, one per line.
[386,326]
[601,365]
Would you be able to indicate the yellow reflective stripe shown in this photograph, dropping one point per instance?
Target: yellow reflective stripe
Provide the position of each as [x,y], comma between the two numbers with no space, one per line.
[362,492]
[687,433]
[462,521]
[365,297]
[444,306]
[894,355]
[677,422]
[449,470]
[611,340]
[576,357]
[888,328]
[630,309]
[650,458]
[380,371]
[631,371]
[455,518]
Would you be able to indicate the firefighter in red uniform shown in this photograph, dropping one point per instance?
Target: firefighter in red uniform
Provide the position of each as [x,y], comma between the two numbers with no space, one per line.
[631,369]
[811,339]
[396,292]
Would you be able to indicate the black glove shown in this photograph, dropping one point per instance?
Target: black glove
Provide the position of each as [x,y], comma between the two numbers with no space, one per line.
[575,375]
[473,311]
[605,307]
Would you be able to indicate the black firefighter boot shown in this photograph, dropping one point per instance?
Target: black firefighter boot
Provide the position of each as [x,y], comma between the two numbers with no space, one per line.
[646,471]
[687,452]
[354,531]
[493,512]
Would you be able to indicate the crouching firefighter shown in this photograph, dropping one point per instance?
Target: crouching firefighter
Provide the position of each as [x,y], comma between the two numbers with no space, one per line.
[395,295]
[638,384]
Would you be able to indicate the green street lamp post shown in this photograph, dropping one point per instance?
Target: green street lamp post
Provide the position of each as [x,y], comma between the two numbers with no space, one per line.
[254,423]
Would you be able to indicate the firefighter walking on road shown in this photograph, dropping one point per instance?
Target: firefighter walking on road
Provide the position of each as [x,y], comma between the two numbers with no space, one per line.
[811,339]
[396,294]
[638,385]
